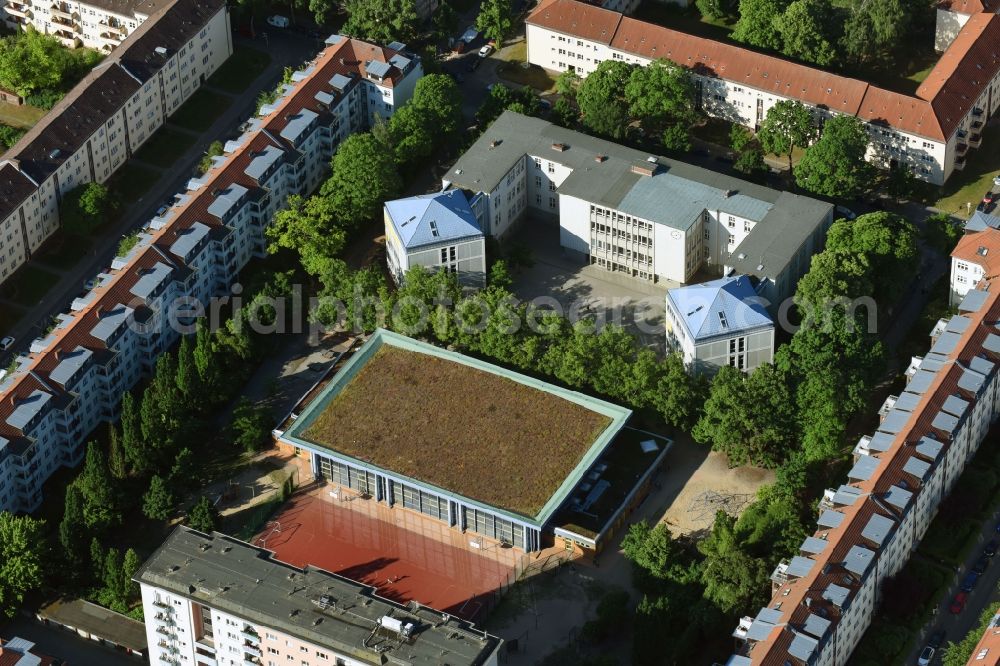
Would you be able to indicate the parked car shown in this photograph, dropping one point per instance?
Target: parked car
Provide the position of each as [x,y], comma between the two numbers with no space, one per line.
[989,198]
[937,639]
[925,656]
[996,181]
[969,582]
[470,34]
[958,603]
[485,51]
[277,21]
[991,548]
[162,209]
[981,564]
[6,343]
[845,212]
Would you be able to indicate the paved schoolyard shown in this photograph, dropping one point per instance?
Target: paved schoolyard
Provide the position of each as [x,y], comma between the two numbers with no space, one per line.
[583,290]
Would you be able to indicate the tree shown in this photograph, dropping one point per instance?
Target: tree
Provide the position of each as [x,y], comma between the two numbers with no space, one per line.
[495,19]
[205,361]
[873,28]
[382,21]
[678,396]
[445,20]
[788,125]
[733,580]
[567,84]
[901,183]
[564,113]
[661,95]
[10,135]
[803,28]
[85,207]
[602,100]
[749,154]
[133,444]
[31,61]
[502,98]
[215,149]
[364,175]
[439,95]
[130,566]
[184,471]
[96,559]
[187,373]
[412,135]
[97,489]
[203,516]
[72,529]
[756,23]
[957,654]
[942,232]
[115,585]
[889,244]
[21,552]
[651,549]
[716,9]
[738,424]
[835,165]
[308,226]
[158,503]
[251,425]
[117,462]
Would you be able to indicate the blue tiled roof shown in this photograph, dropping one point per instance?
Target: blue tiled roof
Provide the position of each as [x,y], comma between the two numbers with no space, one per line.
[719,307]
[430,219]
[981,221]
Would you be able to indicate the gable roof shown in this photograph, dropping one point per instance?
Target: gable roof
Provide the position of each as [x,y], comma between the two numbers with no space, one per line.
[719,308]
[939,105]
[430,219]
[981,248]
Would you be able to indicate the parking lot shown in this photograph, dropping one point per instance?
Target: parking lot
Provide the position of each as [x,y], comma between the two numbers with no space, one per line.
[556,278]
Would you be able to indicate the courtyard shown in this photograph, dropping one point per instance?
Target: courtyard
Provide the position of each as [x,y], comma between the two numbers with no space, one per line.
[555,277]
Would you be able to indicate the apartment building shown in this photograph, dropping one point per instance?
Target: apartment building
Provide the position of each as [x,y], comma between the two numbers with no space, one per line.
[75,375]
[97,127]
[438,231]
[211,599]
[975,255]
[824,598]
[719,323]
[649,217]
[952,15]
[931,131]
[99,24]
[22,652]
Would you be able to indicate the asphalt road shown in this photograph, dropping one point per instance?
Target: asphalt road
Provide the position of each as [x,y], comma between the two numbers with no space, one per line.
[285,48]
[985,592]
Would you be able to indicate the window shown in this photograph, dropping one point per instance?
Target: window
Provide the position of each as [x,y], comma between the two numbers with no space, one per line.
[962,266]
[552,167]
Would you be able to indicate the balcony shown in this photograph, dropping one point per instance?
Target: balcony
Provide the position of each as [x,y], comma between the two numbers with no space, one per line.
[159,603]
[17,9]
[252,649]
[959,163]
[976,140]
[977,112]
[61,11]
[164,620]
[961,148]
[111,37]
[166,631]
[70,42]
[250,635]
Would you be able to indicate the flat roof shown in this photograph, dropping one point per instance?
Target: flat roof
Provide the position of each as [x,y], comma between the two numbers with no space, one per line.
[468,429]
[97,621]
[310,604]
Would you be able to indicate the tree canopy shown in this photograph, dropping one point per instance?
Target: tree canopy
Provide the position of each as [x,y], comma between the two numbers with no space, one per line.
[804,28]
[495,19]
[602,100]
[787,125]
[835,166]
[86,207]
[756,23]
[873,28]
[661,96]
[364,176]
[382,21]
[21,553]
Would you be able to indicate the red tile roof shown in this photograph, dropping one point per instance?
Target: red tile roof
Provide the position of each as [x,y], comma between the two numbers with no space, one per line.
[971,248]
[940,103]
[828,568]
[966,6]
[990,644]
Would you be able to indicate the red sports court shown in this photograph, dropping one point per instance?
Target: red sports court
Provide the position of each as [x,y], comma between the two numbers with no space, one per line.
[405,555]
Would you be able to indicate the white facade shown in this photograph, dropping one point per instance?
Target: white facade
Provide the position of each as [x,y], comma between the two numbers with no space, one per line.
[44,165]
[824,599]
[93,25]
[75,376]
[965,276]
[891,118]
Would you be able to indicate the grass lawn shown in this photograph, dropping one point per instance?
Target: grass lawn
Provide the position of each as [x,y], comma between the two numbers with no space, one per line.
[20,116]
[970,184]
[532,75]
[200,111]
[165,147]
[240,70]
[28,285]
[468,443]
[63,250]
[132,182]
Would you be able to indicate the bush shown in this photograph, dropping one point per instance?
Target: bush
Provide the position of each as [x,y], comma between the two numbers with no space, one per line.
[9,135]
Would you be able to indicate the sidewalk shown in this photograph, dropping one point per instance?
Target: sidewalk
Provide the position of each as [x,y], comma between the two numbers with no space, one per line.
[286,50]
